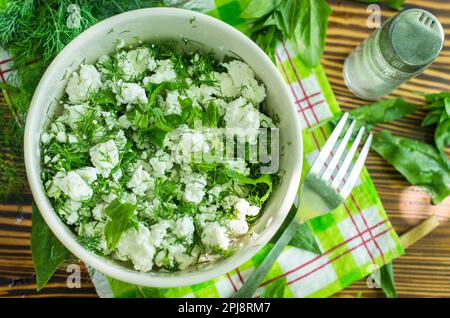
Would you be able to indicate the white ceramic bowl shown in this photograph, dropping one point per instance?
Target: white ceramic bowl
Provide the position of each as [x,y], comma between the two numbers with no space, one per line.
[158,24]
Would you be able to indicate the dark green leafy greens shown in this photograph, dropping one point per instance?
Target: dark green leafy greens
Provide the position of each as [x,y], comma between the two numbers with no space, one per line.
[439,114]
[421,164]
[381,112]
[121,217]
[385,280]
[47,251]
[304,22]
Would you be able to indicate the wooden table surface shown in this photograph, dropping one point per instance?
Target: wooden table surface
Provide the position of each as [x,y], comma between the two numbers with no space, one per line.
[424,271]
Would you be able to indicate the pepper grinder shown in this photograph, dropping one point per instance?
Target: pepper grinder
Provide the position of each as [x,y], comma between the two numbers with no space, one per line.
[402,48]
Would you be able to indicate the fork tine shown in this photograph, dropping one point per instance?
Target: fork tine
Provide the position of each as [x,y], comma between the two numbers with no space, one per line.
[347,161]
[326,150]
[348,186]
[335,160]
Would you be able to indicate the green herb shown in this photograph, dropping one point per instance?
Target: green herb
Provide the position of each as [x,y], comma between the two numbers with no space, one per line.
[305,240]
[120,218]
[304,22]
[421,164]
[263,179]
[276,289]
[125,290]
[212,115]
[381,112]
[47,251]
[385,279]
[394,4]
[439,114]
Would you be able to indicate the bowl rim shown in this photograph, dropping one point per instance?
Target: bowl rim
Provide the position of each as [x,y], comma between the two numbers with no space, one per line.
[57,225]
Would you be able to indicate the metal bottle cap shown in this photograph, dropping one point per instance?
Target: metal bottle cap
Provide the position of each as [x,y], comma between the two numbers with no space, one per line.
[411,40]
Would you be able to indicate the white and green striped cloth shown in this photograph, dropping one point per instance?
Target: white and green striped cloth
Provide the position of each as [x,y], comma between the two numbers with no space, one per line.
[356,239]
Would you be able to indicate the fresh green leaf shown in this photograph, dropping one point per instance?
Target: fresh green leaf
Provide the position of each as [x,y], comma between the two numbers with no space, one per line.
[421,164]
[265,178]
[432,117]
[381,112]
[120,218]
[311,30]
[259,8]
[442,134]
[437,97]
[276,289]
[447,106]
[156,136]
[140,120]
[212,115]
[125,290]
[47,251]
[385,279]
[305,240]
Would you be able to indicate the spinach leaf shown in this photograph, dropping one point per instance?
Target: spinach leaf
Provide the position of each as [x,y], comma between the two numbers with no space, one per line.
[125,290]
[385,280]
[120,218]
[265,178]
[311,30]
[259,8]
[442,135]
[439,114]
[305,240]
[381,112]
[212,115]
[304,22]
[47,251]
[276,289]
[421,164]
[156,136]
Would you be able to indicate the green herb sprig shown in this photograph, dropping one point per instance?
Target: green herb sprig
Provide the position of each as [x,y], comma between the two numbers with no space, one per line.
[304,22]
[439,115]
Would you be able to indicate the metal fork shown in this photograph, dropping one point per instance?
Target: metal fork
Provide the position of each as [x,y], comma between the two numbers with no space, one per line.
[320,193]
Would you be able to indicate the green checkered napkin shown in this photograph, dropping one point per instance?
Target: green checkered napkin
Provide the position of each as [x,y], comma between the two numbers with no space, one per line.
[356,239]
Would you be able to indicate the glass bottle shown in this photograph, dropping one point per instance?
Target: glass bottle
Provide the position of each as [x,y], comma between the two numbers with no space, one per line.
[402,48]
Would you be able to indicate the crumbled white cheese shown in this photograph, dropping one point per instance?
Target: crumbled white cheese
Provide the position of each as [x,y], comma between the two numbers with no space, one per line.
[244,208]
[184,227]
[104,157]
[130,93]
[135,245]
[135,62]
[141,181]
[72,185]
[172,103]
[242,119]
[164,72]
[238,227]
[124,122]
[83,83]
[214,235]
[89,174]
[161,163]
[244,79]
[74,114]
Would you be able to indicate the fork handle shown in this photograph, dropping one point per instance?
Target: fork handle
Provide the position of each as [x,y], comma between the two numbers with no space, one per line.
[251,285]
